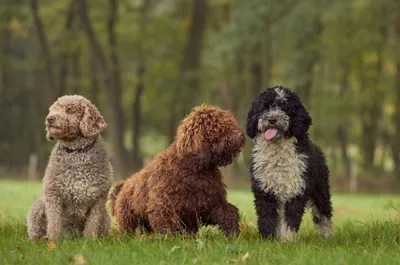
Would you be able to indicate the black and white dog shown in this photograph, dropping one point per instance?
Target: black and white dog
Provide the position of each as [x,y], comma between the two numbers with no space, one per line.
[288,171]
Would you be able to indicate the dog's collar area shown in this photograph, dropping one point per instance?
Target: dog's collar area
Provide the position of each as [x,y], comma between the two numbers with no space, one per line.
[77,150]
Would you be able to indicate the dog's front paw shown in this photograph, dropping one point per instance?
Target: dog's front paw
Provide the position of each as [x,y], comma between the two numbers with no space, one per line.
[51,236]
[90,234]
[288,235]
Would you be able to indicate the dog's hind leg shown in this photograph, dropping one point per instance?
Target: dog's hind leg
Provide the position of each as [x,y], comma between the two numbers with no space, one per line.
[126,219]
[36,220]
[321,209]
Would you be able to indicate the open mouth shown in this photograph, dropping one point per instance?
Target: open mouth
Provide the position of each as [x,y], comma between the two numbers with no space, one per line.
[53,127]
[270,133]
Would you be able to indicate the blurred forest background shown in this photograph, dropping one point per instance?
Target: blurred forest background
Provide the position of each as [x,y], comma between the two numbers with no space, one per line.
[146,63]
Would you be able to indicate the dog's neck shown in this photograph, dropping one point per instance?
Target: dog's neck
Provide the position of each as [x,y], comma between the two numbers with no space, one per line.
[78,145]
[260,140]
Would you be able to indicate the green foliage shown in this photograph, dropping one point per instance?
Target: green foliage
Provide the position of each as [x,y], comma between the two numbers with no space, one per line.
[340,56]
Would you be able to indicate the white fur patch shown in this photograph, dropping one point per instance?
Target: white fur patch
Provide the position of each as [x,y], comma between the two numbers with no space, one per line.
[279,168]
[282,229]
[280,93]
[324,227]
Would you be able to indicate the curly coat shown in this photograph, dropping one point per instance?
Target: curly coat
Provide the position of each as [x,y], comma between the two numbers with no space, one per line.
[288,170]
[182,187]
[78,176]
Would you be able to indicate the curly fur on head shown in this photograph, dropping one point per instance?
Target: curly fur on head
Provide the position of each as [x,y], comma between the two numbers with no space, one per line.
[182,187]
[73,116]
[274,100]
[210,136]
[288,170]
[78,175]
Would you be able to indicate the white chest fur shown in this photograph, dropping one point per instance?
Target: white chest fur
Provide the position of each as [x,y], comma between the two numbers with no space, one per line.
[278,167]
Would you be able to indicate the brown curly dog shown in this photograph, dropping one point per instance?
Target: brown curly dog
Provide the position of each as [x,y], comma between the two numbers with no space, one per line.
[78,176]
[182,187]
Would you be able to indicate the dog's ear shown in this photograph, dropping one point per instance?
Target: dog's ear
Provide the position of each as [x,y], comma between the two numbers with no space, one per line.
[92,123]
[200,160]
[252,119]
[301,122]
[188,139]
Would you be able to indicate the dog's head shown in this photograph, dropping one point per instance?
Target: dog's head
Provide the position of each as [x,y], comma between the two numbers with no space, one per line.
[209,136]
[277,113]
[71,117]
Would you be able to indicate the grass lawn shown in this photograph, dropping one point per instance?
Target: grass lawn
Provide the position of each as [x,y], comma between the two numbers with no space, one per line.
[366,227]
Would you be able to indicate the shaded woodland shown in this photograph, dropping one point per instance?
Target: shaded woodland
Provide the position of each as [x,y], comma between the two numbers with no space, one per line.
[146,63]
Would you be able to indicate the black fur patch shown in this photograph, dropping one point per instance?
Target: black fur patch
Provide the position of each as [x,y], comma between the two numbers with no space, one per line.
[316,175]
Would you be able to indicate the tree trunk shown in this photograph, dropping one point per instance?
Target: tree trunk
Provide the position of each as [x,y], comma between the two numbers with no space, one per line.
[110,71]
[140,75]
[307,60]
[341,132]
[187,87]
[62,85]
[44,45]
[268,58]
[173,120]
[76,73]
[373,112]
[370,134]
[256,71]
[396,117]
[137,121]
[192,55]
[115,91]
[5,43]
[94,81]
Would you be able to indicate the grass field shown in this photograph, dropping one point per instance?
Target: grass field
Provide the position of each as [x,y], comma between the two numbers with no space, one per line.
[367,231]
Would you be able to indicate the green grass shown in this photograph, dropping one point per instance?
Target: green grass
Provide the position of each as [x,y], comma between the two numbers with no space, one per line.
[367,231]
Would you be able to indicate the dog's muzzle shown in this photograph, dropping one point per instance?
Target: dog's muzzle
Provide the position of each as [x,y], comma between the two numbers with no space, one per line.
[273,124]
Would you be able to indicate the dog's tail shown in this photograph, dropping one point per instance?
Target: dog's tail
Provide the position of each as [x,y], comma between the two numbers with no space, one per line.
[113,196]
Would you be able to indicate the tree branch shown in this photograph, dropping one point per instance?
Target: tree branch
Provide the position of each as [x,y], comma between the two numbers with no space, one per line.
[140,75]
[94,43]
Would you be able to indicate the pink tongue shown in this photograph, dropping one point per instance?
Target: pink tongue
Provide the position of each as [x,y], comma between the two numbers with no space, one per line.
[270,133]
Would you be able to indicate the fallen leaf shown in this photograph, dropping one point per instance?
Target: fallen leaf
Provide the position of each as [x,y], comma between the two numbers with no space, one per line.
[174,248]
[199,244]
[241,259]
[51,245]
[15,250]
[244,257]
[79,260]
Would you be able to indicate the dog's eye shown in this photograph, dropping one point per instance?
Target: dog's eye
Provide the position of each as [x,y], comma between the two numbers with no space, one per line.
[69,110]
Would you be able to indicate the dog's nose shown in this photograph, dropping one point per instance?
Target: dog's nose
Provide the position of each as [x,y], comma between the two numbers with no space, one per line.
[241,136]
[272,121]
[51,119]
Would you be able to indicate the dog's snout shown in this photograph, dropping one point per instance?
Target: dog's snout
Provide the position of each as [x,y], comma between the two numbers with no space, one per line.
[240,136]
[272,120]
[51,119]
